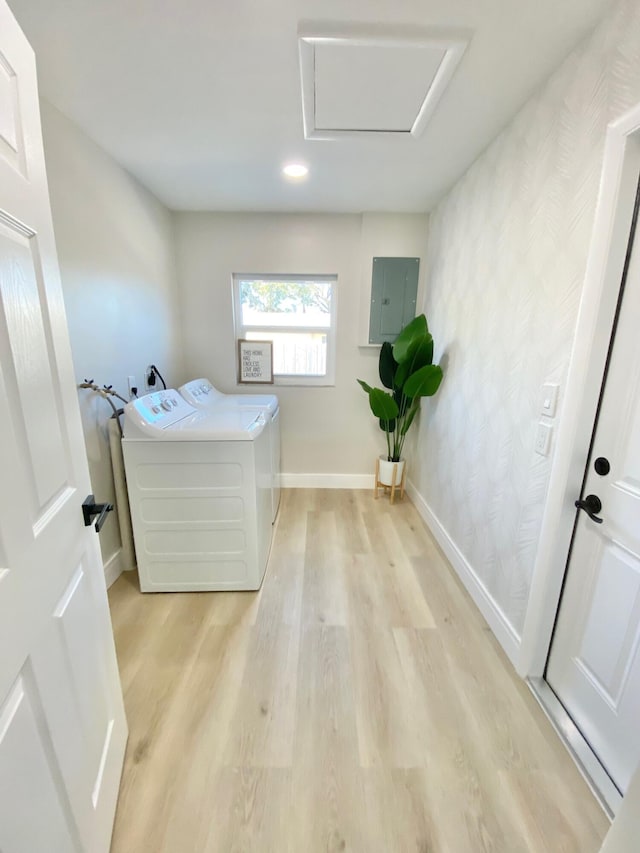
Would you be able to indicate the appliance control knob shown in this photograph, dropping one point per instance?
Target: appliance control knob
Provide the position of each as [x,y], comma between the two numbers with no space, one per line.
[166,405]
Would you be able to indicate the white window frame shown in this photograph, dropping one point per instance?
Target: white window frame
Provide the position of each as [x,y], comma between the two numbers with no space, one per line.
[241,330]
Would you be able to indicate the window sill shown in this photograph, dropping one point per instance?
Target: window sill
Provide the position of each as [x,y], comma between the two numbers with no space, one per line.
[292,381]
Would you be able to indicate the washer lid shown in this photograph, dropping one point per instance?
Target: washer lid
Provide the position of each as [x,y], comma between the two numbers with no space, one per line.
[202,394]
[218,425]
[166,416]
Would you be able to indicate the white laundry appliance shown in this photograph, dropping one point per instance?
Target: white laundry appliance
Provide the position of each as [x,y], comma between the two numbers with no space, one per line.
[199,486]
[203,395]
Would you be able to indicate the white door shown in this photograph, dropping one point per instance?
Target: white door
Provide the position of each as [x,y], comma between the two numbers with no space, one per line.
[594,664]
[62,724]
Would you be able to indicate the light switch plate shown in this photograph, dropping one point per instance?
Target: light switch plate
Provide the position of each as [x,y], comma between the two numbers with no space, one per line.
[543,438]
[549,399]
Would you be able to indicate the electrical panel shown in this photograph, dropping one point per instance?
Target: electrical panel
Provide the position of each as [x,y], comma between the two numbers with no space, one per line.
[394,288]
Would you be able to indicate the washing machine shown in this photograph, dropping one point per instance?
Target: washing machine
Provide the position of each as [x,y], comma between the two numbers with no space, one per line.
[199,486]
[201,394]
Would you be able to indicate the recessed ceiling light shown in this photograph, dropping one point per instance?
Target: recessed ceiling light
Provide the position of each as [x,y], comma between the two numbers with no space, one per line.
[295,170]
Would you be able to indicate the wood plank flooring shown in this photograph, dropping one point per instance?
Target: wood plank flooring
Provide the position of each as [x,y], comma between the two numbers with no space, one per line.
[358,702]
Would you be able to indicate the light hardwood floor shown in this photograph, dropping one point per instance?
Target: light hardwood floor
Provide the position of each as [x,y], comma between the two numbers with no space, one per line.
[358,702]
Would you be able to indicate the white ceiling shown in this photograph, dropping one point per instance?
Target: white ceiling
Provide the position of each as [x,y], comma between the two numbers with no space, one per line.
[201,100]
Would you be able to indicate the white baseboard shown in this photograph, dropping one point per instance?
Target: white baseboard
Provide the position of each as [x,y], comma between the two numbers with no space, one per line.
[326,481]
[113,568]
[484,601]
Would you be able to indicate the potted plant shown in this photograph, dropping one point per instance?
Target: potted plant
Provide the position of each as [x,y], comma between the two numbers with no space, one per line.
[407,370]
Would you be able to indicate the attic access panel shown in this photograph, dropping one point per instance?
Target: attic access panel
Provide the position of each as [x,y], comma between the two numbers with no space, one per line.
[386,81]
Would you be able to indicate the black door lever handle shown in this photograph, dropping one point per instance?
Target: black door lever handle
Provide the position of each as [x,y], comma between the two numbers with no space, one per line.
[90,509]
[592,506]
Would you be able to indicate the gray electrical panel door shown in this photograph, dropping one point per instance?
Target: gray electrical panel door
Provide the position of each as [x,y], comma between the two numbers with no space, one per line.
[394,288]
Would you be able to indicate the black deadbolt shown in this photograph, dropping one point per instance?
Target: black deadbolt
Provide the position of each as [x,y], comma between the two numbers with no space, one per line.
[602,466]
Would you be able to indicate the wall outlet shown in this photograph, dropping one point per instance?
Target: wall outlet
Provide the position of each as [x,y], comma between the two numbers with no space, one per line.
[543,439]
[132,384]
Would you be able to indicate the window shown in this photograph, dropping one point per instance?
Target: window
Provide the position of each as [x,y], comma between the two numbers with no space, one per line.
[298,314]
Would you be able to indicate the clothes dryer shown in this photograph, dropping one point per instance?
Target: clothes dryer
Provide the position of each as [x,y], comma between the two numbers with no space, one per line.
[201,394]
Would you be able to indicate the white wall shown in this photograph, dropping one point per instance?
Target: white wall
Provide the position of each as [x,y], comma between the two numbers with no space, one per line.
[325,431]
[506,262]
[116,254]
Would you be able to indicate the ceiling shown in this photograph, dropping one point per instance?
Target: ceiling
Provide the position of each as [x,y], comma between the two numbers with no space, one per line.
[201,99]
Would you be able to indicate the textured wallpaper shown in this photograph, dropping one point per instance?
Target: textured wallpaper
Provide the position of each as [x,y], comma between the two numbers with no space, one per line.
[506,261]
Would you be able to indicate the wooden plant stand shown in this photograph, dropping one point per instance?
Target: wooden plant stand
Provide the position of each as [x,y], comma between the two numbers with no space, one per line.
[394,485]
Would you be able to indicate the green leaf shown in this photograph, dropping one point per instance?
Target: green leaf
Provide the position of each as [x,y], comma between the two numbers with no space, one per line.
[423,354]
[402,401]
[388,426]
[413,411]
[424,382]
[416,330]
[420,353]
[364,385]
[383,405]
[387,365]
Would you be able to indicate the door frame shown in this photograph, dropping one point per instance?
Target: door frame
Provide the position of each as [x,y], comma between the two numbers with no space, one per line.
[605,263]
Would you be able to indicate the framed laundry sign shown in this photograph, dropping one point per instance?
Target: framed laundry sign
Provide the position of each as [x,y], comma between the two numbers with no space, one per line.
[256,362]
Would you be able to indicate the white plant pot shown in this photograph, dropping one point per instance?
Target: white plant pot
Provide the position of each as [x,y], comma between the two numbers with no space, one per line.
[385,471]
